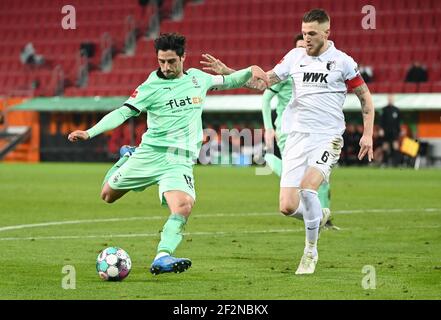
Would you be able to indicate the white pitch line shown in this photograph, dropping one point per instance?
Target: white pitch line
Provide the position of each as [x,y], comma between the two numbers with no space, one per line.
[214,233]
[253,214]
[57,223]
[386,210]
[136,235]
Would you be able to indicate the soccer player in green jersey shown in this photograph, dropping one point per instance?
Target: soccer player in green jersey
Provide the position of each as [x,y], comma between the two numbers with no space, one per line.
[283,92]
[173,99]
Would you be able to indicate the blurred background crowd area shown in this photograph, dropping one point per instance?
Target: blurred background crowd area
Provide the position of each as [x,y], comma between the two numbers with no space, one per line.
[105,49]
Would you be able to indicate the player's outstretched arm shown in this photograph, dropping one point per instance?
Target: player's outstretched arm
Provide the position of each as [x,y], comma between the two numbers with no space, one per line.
[258,85]
[260,76]
[215,65]
[108,122]
[368,112]
[238,78]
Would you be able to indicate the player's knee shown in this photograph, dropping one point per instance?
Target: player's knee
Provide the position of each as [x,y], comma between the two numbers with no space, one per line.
[185,207]
[307,185]
[107,197]
[304,185]
[286,208]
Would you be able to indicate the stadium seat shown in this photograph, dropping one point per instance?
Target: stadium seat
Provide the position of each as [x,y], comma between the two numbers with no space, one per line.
[425,87]
[383,87]
[228,28]
[410,87]
[436,87]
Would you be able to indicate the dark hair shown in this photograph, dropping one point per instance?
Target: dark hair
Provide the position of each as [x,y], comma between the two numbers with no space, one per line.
[170,41]
[298,37]
[318,15]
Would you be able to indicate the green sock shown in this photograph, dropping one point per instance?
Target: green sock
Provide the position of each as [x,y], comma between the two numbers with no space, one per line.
[324,195]
[171,234]
[115,167]
[274,163]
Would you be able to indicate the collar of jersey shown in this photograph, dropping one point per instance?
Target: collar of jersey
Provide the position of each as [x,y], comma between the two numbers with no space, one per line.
[329,51]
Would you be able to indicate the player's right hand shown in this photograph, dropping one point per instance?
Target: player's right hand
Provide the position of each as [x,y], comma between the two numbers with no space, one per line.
[366,148]
[78,135]
[261,77]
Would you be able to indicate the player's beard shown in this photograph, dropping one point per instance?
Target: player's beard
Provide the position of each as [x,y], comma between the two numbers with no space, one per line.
[169,75]
[172,74]
[314,51]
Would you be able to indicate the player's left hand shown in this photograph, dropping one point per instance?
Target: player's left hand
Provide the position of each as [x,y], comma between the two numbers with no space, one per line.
[366,147]
[214,65]
[261,77]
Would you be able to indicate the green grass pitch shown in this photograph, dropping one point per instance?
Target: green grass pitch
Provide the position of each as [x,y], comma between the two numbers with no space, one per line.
[241,247]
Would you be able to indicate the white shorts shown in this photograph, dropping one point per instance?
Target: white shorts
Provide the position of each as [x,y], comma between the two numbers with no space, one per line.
[303,150]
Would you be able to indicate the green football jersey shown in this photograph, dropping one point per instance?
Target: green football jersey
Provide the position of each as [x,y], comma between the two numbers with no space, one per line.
[174,108]
[284,92]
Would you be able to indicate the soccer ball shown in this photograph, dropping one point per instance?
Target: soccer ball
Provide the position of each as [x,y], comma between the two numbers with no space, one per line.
[113,264]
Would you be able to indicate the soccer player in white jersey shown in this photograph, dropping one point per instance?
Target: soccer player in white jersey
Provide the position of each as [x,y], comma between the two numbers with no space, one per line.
[283,92]
[314,122]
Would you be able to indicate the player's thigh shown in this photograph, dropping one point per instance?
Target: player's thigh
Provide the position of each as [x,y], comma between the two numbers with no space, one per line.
[140,171]
[294,160]
[312,179]
[321,159]
[177,185]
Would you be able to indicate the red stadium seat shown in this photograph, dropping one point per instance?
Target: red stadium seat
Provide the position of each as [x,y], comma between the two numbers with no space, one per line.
[436,87]
[410,87]
[434,73]
[383,87]
[228,28]
[425,87]
[396,87]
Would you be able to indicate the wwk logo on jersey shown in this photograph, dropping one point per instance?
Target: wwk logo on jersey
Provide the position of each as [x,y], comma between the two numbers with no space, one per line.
[175,103]
[315,77]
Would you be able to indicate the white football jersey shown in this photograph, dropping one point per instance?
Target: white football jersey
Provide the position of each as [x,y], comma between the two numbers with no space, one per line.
[319,90]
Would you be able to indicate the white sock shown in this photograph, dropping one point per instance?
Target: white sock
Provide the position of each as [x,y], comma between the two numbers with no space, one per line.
[298,214]
[310,247]
[311,216]
[161,254]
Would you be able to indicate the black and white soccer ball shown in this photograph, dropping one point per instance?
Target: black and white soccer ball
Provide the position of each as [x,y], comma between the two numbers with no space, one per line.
[113,264]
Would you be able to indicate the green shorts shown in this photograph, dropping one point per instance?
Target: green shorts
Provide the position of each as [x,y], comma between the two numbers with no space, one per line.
[150,165]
